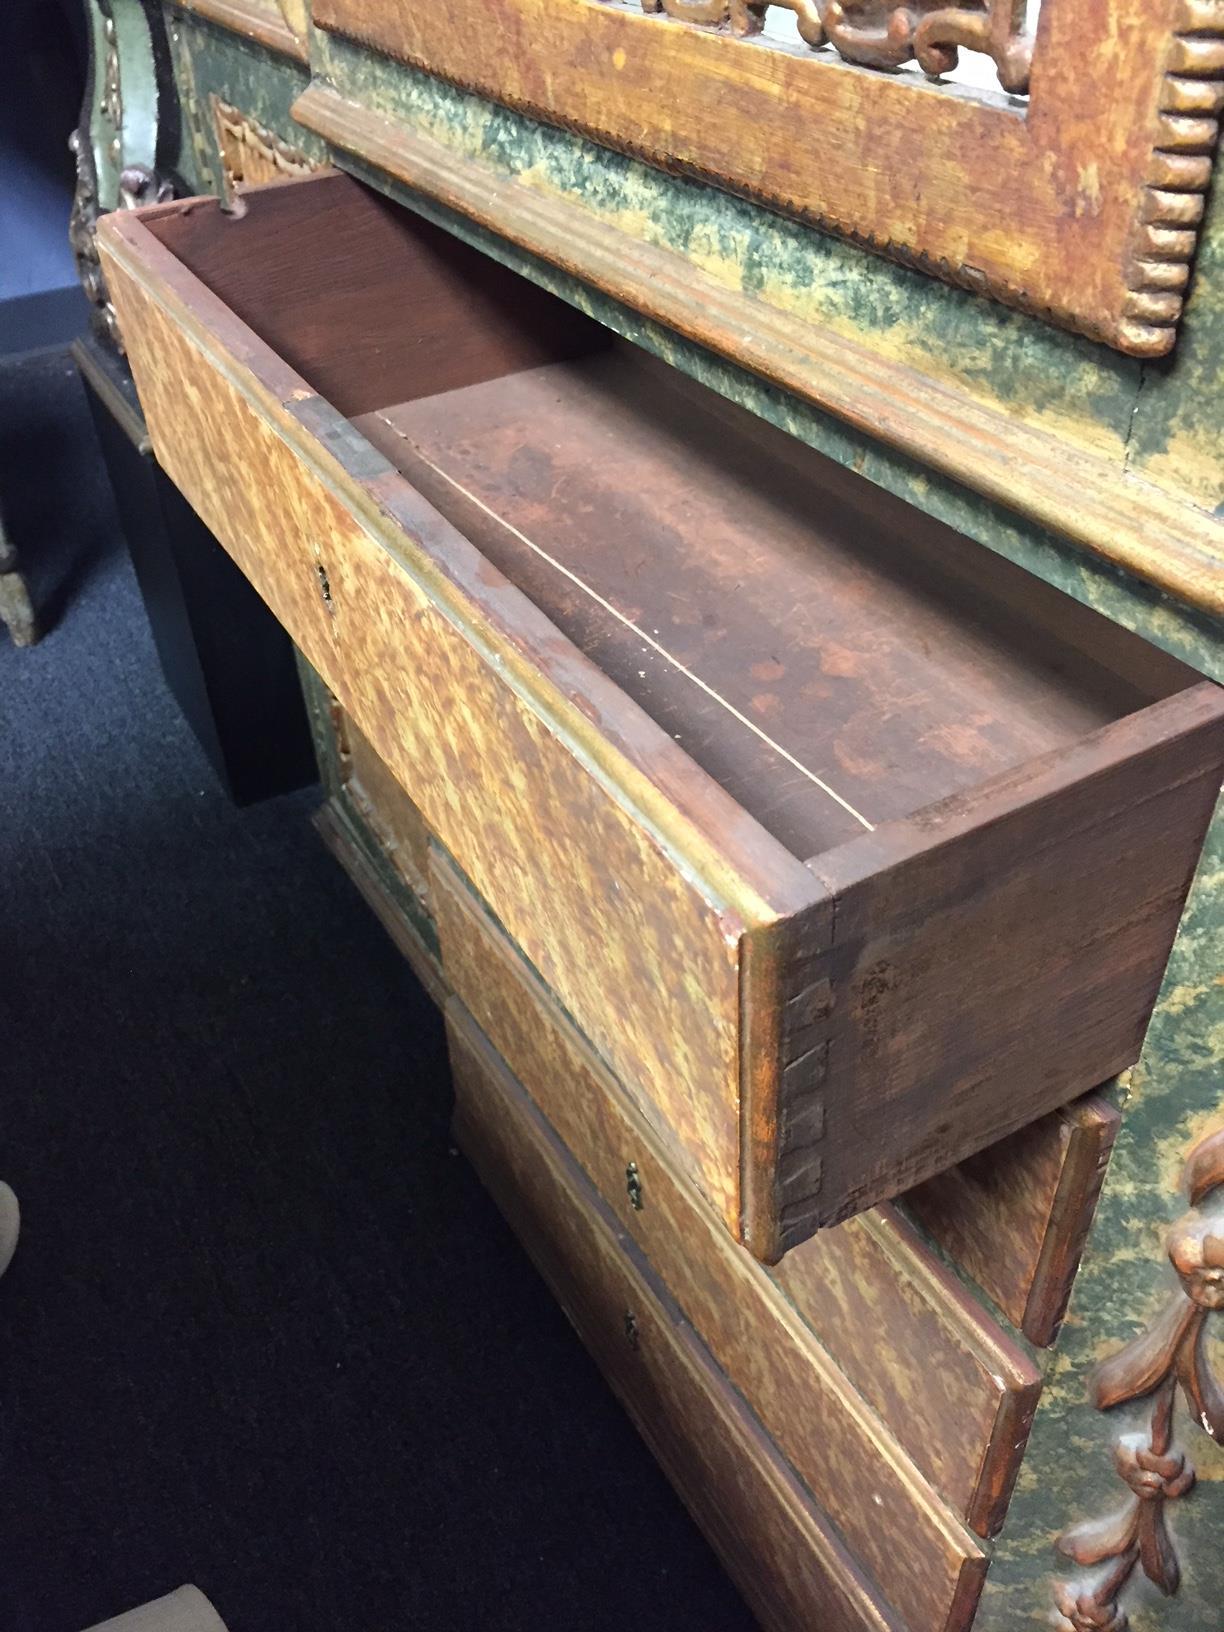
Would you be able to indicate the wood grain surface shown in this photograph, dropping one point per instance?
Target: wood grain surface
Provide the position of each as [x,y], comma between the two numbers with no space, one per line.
[802,1030]
[880,1323]
[1063,206]
[1078,864]
[1016,1216]
[773,1539]
[829,661]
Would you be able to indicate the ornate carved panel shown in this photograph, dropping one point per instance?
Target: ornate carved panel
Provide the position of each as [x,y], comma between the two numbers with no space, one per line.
[1074,190]
[1168,1358]
[250,153]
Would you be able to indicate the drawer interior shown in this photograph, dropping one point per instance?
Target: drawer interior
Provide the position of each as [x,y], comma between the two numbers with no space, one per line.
[831,657]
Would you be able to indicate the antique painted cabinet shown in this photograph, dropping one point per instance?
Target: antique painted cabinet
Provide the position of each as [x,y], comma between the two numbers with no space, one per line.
[743,480]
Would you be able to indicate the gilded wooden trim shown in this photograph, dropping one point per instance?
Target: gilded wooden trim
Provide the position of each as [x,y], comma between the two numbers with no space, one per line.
[1073,491]
[261,21]
[1170,1355]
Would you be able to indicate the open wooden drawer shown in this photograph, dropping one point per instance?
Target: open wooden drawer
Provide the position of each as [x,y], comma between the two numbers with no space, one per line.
[851,847]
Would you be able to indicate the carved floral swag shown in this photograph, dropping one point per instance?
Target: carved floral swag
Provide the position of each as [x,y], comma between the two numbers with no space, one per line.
[1168,1356]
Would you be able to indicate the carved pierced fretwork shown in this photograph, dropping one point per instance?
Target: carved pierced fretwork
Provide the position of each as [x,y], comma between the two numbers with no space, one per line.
[883,34]
[1173,197]
[1170,1356]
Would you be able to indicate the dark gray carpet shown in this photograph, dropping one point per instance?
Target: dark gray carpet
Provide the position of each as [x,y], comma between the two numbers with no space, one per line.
[264,1331]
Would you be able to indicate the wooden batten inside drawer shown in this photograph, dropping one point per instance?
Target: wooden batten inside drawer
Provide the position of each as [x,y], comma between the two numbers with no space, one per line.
[850,846]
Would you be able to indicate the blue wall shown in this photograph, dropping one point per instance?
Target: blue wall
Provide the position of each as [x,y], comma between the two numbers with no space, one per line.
[42,48]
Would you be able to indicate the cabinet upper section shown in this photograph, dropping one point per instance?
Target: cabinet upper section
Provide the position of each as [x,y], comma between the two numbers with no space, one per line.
[1077,196]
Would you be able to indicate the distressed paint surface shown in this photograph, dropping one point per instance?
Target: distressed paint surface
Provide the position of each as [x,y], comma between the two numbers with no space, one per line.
[650,940]
[1042,376]
[1164,419]
[868,1286]
[1178,433]
[1176,1094]
[1033,369]
[209,61]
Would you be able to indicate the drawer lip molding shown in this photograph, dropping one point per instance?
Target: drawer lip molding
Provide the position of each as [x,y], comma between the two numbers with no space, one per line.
[769,1007]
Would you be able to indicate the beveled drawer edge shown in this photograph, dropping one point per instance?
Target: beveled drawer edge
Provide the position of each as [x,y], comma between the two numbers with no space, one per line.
[749,872]
[835,1555]
[998,1354]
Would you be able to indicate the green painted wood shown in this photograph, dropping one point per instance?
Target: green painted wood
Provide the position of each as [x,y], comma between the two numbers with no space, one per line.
[209,61]
[1025,362]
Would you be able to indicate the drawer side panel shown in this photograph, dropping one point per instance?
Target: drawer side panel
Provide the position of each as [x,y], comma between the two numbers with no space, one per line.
[1015,1217]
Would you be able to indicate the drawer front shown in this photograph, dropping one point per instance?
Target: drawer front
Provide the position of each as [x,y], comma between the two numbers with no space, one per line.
[952,1407]
[645,918]
[1016,1216]
[771,1537]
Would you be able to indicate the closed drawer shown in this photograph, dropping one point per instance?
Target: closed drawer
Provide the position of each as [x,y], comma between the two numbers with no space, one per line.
[850,845]
[878,1379]
[772,1538]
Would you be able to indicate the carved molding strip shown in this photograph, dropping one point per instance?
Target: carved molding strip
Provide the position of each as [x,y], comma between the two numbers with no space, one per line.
[1168,1356]
[1174,194]
[883,34]
[251,153]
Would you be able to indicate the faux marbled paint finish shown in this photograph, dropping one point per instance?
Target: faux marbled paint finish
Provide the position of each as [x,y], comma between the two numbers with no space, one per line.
[210,62]
[1162,418]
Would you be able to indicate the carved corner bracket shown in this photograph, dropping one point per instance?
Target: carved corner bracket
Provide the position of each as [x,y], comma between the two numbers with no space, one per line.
[1169,1356]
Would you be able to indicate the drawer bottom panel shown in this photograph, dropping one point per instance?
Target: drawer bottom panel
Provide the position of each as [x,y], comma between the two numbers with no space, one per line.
[770,1536]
